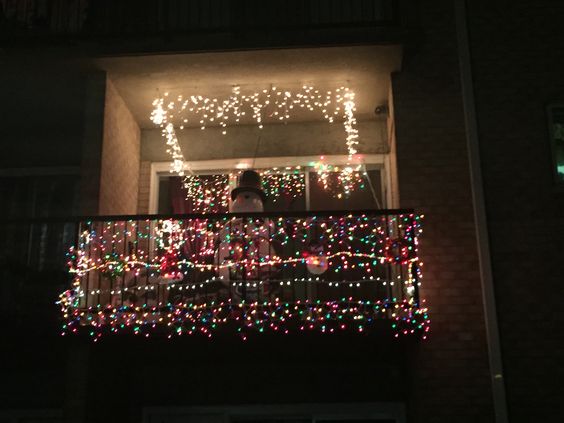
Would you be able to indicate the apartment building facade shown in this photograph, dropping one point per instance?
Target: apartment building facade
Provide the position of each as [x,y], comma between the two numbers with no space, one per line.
[409,243]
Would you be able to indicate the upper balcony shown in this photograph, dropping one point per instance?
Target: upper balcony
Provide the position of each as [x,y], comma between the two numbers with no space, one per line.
[170,25]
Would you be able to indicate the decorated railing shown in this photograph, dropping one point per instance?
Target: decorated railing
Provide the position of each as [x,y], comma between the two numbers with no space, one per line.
[197,274]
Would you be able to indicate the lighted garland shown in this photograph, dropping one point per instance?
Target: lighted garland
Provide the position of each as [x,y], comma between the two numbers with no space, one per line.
[190,286]
[121,251]
[116,268]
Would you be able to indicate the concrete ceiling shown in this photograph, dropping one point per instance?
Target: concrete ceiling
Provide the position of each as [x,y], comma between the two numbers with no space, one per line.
[364,69]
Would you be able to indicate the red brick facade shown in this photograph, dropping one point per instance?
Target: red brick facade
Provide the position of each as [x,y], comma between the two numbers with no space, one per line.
[450,372]
[518,68]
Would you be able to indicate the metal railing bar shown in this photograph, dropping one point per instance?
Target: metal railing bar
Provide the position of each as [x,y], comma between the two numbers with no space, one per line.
[208,216]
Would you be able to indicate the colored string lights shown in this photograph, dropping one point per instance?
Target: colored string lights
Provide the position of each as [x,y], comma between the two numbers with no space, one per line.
[169,274]
[288,182]
[256,317]
[209,193]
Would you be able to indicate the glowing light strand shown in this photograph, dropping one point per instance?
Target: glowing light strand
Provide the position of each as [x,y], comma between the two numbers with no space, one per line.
[107,248]
[276,104]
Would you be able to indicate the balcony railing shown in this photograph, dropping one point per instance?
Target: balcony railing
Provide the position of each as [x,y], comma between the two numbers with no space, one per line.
[287,272]
[167,17]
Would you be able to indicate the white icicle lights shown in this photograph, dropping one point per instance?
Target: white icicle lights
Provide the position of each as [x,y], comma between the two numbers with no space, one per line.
[268,105]
[272,104]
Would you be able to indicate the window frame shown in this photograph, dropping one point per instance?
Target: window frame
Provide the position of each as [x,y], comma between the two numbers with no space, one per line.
[374,161]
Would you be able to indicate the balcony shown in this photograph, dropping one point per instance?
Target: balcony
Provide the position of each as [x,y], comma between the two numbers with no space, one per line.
[204,24]
[246,273]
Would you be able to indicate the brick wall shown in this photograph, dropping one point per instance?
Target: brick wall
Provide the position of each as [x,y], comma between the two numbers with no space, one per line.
[449,372]
[120,157]
[518,68]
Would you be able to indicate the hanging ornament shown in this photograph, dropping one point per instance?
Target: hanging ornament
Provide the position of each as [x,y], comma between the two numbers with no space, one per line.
[398,250]
[114,265]
[316,260]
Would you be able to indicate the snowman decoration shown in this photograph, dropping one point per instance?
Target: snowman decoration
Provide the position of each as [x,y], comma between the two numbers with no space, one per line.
[248,196]
[245,249]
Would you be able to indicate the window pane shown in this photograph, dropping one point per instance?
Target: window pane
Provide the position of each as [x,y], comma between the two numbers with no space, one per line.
[284,192]
[367,195]
[38,196]
[556,120]
[173,196]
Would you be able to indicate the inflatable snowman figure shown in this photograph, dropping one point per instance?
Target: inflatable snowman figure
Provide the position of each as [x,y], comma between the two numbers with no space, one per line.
[248,196]
[244,250]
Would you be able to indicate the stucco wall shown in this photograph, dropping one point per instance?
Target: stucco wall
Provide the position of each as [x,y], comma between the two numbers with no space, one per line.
[120,157]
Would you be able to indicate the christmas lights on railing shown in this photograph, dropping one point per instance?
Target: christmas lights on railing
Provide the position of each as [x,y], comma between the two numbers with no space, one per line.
[169,284]
[254,317]
[128,269]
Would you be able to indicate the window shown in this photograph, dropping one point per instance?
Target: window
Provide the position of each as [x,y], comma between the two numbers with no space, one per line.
[312,194]
[556,133]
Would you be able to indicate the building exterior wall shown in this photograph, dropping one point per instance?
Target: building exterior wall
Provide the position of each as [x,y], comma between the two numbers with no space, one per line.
[41,113]
[144,187]
[518,69]
[92,141]
[120,157]
[449,372]
[274,140]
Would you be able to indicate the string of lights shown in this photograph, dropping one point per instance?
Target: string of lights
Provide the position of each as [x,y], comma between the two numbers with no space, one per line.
[128,268]
[245,318]
[271,104]
[167,285]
